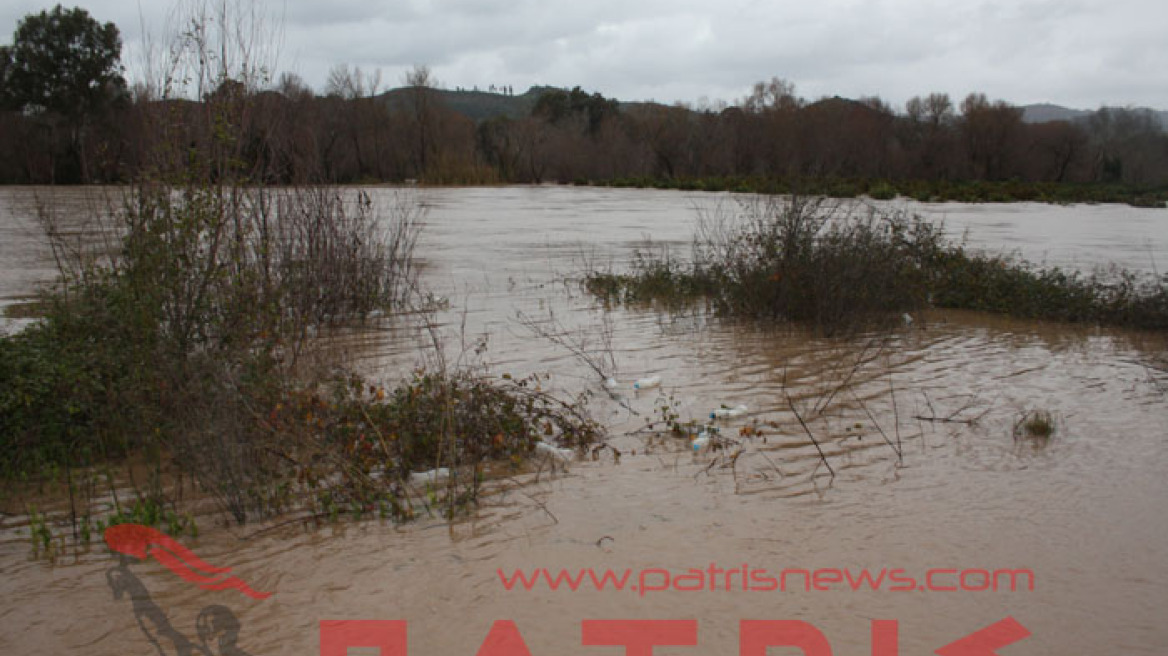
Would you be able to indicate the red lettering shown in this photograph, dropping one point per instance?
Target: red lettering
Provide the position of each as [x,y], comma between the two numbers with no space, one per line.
[755,636]
[504,640]
[638,637]
[885,638]
[987,641]
[336,636]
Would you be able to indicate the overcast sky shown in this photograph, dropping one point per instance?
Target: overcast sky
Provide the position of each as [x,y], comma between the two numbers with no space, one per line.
[1076,53]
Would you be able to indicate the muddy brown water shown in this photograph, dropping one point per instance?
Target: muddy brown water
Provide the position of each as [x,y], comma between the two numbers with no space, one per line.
[1085,511]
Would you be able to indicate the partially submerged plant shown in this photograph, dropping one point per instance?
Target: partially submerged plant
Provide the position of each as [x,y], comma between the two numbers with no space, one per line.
[430,439]
[810,260]
[838,267]
[1036,424]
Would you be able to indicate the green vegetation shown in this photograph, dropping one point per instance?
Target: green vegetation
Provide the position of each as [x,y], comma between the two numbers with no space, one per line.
[63,73]
[84,529]
[825,264]
[199,315]
[936,191]
[62,61]
[188,346]
[353,445]
[66,116]
[182,341]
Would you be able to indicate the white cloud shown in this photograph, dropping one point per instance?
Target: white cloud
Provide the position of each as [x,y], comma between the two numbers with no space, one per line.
[1077,53]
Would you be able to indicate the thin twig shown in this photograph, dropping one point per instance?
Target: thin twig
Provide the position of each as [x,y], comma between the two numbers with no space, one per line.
[822,456]
[895,414]
[895,448]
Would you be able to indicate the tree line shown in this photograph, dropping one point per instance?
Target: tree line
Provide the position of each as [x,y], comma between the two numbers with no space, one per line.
[70,117]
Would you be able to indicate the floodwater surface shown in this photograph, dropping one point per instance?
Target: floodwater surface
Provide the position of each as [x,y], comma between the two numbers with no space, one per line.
[918,427]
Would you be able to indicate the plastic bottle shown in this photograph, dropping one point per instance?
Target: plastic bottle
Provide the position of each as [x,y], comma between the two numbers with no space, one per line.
[553,451]
[701,442]
[647,383]
[728,413]
[432,476]
[610,383]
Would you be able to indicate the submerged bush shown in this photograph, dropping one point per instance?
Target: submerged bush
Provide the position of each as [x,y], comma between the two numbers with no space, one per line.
[188,341]
[806,260]
[184,337]
[366,445]
[838,267]
[196,312]
[349,446]
[1035,424]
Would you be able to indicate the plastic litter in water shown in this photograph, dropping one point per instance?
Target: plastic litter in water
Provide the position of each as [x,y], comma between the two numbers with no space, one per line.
[431,476]
[728,413]
[610,383]
[554,451]
[647,383]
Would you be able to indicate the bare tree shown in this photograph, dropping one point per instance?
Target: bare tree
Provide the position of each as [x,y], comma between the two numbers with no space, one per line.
[352,83]
[991,134]
[776,95]
[293,87]
[421,84]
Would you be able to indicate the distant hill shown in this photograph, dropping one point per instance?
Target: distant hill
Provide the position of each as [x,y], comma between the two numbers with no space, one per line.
[1044,113]
[477,105]
[483,105]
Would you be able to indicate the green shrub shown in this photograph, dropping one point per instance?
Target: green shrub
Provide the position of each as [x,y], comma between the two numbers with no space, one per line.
[79,385]
[186,344]
[882,191]
[198,315]
[351,444]
[801,260]
[839,269]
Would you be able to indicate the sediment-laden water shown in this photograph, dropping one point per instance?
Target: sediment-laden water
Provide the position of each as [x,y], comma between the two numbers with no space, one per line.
[1084,511]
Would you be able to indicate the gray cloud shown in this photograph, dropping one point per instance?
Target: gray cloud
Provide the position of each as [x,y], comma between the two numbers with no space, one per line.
[1077,53]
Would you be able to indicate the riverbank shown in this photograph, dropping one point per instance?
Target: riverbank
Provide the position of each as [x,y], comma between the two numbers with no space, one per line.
[925,191]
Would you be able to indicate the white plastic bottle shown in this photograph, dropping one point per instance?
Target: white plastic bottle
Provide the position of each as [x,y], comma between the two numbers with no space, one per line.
[553,451]
[729,413]
[647,383]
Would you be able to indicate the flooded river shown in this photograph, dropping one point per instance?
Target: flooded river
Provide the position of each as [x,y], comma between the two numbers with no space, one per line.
[917,426]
